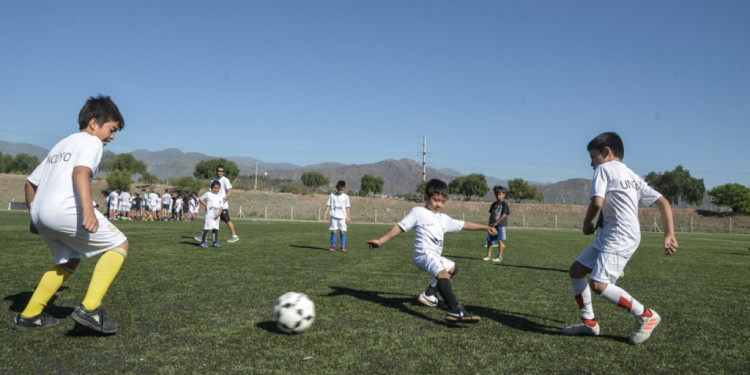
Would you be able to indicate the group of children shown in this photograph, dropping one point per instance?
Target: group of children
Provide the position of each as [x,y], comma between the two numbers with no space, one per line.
[616,192]
[151,206]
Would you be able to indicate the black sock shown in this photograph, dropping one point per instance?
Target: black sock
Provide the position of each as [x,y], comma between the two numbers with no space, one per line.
[203,237]
[431,291]
[446,290]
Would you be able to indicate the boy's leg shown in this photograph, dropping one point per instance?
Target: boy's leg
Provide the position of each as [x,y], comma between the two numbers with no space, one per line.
[501,248]
[646,320]
[582,294]
[104,274]
[50,283]
[456,312]
[333,241]
[343,241]
[428,297]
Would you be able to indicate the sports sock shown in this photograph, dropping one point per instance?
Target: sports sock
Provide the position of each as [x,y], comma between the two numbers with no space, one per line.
[582,294]
[621,298]
[51,281]
[214,234]
[333,239]
[343,239]
[445,288]
[203,236]
[104,273]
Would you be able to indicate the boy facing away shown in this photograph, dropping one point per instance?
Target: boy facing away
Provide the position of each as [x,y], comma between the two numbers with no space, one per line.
[339,208]
[615,193]
[63,214]
[499,212]
[430,226]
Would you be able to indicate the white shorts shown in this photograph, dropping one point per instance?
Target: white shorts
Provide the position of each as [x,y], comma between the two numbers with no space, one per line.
[605,267]
[68,240]
[433,264]
[337,224]
[211,223]
[126,207]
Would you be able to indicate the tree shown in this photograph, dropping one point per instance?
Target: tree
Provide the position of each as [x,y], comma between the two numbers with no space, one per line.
[127,162]
[519,190]
[421,188]
[473,184]
[118,179]
[21,164]
[734,196]
[371,184]
[206,169]
[313,180]
[107,164]
[188,184]
[677,185]
[149,178]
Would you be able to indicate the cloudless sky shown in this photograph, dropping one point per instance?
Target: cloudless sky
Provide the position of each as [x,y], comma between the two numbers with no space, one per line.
[510,89]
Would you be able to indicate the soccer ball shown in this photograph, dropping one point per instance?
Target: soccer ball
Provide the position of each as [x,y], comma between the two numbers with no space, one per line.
[294,312]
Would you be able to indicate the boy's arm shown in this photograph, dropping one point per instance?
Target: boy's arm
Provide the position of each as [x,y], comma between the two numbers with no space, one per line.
[30,192]
[325,214]
[594,208]
[348,211]
[474,226]
[665,209]
[81,177]
[395,231]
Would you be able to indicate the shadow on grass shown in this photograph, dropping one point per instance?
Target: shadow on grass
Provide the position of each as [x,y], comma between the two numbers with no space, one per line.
[19,301]
[81,331]
[309,247]
[509,265]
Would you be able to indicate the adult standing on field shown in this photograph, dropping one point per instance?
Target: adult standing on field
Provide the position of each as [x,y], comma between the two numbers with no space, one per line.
[226,192]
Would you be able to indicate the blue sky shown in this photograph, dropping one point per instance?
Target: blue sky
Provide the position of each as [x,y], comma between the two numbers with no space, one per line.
[510,89]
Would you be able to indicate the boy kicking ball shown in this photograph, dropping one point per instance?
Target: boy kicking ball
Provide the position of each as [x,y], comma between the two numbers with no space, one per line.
[58,193]
[615,193]
[430,226]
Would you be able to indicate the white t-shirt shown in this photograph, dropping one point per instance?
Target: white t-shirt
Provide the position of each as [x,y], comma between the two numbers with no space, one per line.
[213,208]
[53,176]
[338,203]
[226,185]
[154,202]
[166,199]
[125,200]
[429,230]
[622,190]
[114,199]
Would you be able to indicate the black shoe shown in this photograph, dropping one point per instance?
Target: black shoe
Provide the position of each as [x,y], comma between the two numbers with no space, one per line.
[461,315]
[95,319]
[20,323]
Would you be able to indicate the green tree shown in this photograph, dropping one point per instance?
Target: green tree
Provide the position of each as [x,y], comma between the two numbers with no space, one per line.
[206,169]
[371,184]
[148,178]
[734,196]
[467,186]
[22,164]
[107,164]
[421,188]
[118,179]
[678,185]
[313,180]
[188,184]
[519,190]
[127,162]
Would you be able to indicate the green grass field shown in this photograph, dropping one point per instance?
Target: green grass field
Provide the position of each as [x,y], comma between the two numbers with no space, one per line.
[182,309]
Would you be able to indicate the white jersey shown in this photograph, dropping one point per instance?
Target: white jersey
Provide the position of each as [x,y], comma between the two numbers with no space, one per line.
[429,230]
[338,203]
[226,185]
[125,201]
[166,199]
[114,199]
[213,208]
[622,190]
[178,204]
[154,202]
[193,205]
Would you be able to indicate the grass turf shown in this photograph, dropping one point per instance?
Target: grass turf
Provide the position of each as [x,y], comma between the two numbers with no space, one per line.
[183,309]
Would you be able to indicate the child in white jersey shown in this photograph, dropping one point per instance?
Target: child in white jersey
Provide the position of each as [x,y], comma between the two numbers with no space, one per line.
[339,208]
[615,193]
[430,226]
[63,214]
[212,200]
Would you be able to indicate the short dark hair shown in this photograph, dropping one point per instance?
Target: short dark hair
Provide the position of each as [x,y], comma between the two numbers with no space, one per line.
[498,188]
[215,183]
[608,139]
[220,166]
[101,108]
[436,186]
[340,184]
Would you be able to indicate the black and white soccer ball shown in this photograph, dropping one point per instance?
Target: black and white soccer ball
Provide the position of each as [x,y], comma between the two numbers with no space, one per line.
[294,312]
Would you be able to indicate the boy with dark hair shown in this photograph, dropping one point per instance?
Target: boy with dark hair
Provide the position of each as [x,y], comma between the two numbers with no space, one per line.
[430,226]
[63,214]
[615,193]
[339,207]
[499,212]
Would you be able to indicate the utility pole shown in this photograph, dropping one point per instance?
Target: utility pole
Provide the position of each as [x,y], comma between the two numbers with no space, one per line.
[424,158]
[256,174]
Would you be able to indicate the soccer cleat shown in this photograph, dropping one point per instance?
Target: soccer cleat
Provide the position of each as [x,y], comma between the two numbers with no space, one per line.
[234,238]
[486,259]
[95,319]
[431,301]
[204,245]
[198,238]
[582,329]
[343,249]
[331,248]
[460,315]
[21,324]
[216,244]
[644,326]
[497,260]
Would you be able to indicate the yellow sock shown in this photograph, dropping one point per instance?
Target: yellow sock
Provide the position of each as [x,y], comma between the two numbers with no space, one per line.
[51,281]
[104,273]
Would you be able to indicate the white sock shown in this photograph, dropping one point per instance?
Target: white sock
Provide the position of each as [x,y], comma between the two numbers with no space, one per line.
[582,293]
[621,298]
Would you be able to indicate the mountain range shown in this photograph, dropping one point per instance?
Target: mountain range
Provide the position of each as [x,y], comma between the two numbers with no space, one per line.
[401,176]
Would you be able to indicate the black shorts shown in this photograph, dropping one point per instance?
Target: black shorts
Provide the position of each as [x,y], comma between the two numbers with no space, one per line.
[225,215]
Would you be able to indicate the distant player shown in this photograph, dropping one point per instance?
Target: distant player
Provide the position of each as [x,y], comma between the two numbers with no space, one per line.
[226,191]
[430,226]
[339,208]
[615,193]
[166,205]
[213,201]
[499,212]
[113,201]
[58,193]
[125,203]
